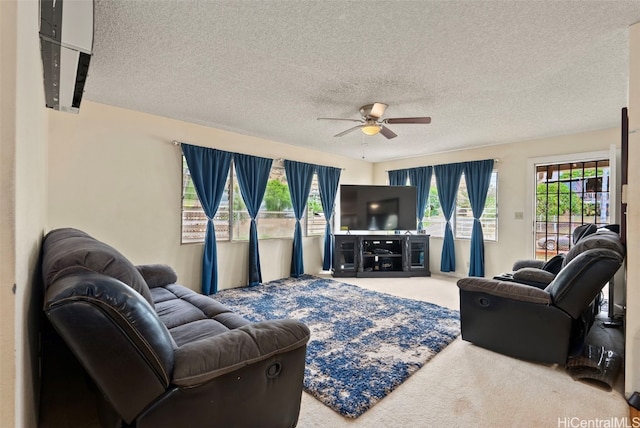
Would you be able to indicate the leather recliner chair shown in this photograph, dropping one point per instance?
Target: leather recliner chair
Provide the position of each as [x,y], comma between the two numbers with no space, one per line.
[539,272]
[541,324]
[157,353]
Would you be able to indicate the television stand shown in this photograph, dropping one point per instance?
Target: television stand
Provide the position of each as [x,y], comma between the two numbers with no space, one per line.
[381,256]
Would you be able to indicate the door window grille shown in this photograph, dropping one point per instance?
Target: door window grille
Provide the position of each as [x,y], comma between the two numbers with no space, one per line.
[567,196]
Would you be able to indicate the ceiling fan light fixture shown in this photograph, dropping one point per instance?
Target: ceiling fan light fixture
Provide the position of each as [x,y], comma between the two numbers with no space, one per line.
[371,129]
[372,122]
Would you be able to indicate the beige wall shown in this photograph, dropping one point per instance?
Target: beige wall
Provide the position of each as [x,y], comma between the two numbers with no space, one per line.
[115,174]
[515,179]
[632,327]
[8,30]
[23,214]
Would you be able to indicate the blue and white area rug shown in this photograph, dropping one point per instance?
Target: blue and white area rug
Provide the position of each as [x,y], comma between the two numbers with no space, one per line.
[363,343]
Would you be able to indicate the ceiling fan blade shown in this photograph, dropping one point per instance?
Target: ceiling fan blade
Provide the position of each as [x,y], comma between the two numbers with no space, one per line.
[378,110]
[336,118]
[348,130]
[408,120]
[387,132]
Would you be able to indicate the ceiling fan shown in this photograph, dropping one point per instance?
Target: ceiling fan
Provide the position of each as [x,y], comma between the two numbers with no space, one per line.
[371,122]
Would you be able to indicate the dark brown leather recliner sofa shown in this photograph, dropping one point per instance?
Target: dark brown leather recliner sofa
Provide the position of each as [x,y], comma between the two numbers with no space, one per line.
[159,354]
[537,323]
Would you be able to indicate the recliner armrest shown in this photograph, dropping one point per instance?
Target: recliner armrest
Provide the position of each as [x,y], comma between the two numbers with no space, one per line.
[200,361]
[527,263]
[553,265]
[532,276]
[509,290]
[157,275]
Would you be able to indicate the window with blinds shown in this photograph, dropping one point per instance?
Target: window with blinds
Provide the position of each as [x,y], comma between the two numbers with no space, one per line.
[462,220]
[231,222]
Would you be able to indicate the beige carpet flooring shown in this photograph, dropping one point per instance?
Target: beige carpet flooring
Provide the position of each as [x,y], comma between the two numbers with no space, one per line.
[465,385]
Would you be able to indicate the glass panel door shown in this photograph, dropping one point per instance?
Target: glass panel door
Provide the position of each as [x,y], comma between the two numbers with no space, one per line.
[567,196]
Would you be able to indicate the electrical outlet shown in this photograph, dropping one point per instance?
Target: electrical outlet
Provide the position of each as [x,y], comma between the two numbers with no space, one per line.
[519,215]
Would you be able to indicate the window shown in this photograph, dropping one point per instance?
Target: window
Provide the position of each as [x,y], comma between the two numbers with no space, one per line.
[276,218]
[194,220]
[567,196]
[239,220]
[315,221]
[232,222]
[464,216]
[462,221]
[433,221]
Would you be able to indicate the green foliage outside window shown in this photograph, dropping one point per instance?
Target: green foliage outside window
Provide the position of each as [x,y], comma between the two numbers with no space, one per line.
[314,205]
[232,220]
[277,196]
[491,202]
[238,202]
[577,173]
[433,204]
[556,199]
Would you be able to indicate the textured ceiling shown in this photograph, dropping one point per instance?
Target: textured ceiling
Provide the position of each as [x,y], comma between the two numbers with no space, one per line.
[487,72]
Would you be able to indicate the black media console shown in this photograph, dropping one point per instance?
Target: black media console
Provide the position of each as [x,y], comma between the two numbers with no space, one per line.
[381,255]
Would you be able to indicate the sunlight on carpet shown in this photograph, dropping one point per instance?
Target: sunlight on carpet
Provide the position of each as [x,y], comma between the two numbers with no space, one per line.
[363,343]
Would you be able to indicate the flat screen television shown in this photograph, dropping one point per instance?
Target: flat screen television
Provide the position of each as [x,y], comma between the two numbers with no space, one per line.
[377,207]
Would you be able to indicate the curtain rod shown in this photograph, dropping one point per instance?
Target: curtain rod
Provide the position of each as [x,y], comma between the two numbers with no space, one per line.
[496,160]
[279,160]
[178,143]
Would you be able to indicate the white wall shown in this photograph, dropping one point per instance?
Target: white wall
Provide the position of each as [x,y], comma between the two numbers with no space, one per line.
[23,129]
[514,235]
[115,174]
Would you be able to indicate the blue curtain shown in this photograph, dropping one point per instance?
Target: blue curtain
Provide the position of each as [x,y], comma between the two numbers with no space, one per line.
[209,169]
[299,177]
[328,178]
[398,177]
[447,182]
[477,176]
[253,175]
[420,177]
